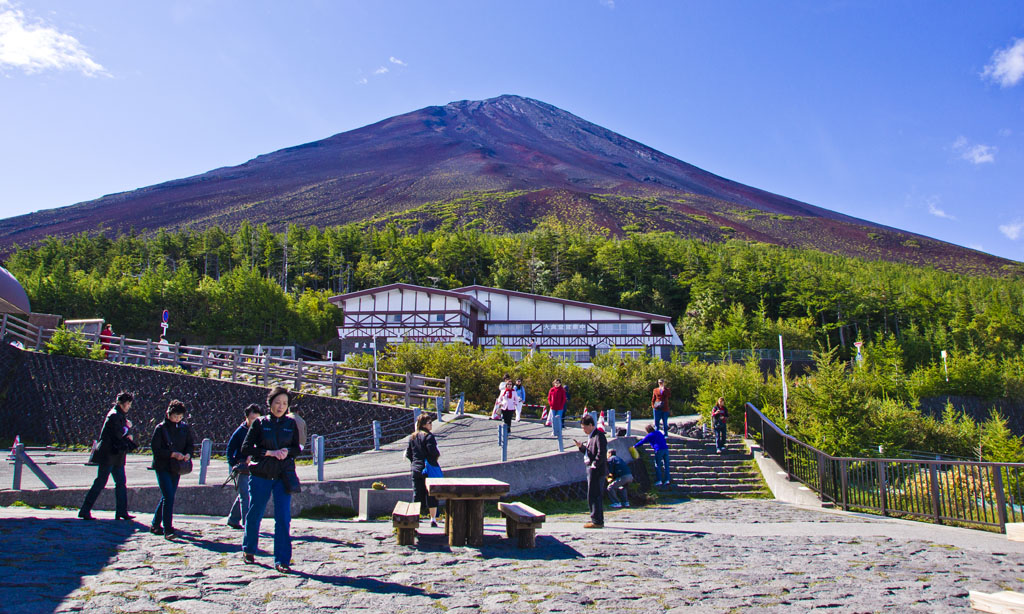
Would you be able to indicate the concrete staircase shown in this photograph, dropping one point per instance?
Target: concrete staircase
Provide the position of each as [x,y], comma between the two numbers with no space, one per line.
[698,471]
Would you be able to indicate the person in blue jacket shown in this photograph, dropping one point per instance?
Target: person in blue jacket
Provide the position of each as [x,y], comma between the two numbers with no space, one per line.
[660,447]
[241,474]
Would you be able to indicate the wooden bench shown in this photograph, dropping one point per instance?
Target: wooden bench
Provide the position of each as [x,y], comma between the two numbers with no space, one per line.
[1003,602]
[521,522]
[406,519]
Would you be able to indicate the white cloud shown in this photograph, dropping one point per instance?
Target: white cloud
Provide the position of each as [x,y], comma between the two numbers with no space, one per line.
[934,210]
[395,60]
[362,81]
[975,154]
[33,46]
[1012,230]
[381,71]
[1007,65]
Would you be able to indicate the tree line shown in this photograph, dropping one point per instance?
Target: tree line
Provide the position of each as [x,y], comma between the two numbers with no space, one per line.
[256,285]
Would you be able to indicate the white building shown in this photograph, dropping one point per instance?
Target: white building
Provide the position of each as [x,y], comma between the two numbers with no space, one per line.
[491,317]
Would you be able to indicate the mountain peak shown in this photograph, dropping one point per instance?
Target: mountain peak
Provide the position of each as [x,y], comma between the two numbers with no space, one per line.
[504,164]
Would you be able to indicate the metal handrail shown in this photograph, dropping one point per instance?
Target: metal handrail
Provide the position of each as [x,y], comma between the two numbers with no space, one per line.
[970,493]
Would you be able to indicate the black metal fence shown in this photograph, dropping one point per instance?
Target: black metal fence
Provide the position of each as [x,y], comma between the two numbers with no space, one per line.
[942,491]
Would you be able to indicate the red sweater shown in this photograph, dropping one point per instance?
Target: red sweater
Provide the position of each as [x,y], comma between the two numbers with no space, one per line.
[556,398]
[660,395]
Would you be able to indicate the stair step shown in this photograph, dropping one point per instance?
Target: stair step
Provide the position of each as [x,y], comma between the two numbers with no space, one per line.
[716,488]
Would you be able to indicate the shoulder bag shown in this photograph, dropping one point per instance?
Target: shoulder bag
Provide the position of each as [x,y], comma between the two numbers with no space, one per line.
[177,467]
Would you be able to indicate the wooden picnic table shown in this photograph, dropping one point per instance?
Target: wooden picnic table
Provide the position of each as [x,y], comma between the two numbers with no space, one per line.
[464,507]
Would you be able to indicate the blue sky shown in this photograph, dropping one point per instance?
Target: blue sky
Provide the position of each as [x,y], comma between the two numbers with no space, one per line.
[909,114]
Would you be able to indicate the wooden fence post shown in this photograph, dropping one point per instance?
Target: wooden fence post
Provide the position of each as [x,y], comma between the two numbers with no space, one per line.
[933,478]
[298,376]
[3,327]
[149,352]
[39,337]
[177,353]
[234,366]
[997,483]
[369,385]
[334,380]
[203,359]
[447,392]
[120,351]
[408,389]
[882,499]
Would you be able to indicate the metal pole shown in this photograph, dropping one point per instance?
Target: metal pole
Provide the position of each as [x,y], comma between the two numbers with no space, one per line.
[629,423]
[556,423]
[503,440]
[204,459]
[376,434]
[19,456]
[439,403]
[611,423]
[461,409]
[416,415]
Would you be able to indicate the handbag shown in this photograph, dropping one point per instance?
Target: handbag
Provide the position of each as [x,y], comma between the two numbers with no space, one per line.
[94,453]
[180,467]
[432,471]
[267,467]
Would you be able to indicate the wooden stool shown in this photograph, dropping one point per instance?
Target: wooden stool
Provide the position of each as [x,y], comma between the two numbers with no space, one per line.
[406,518]
[1003,602]
[521,522]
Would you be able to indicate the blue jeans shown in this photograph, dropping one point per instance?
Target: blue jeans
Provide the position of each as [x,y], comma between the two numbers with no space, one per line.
[260,490]
[560,415]
[661,416]
[720,435]
[103,472]
[661,466]
[240,507]
[164,514]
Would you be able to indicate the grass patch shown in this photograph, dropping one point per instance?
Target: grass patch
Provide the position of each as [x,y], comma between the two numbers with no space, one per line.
[323,512]
[41,507]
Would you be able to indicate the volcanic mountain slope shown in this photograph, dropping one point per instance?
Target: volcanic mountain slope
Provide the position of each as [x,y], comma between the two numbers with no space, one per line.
[502,164]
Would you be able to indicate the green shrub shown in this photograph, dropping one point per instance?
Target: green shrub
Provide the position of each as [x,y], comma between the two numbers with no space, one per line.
[68,342]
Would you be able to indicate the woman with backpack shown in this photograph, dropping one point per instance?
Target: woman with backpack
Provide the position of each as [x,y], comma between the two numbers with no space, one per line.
[173,447]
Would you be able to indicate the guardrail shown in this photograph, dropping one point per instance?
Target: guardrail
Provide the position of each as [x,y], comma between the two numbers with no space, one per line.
[940,491]
[406,389]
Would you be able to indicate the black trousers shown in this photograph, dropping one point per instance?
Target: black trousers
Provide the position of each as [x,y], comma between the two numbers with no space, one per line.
[103,472]
[419,492]
[507,416]
[596,484]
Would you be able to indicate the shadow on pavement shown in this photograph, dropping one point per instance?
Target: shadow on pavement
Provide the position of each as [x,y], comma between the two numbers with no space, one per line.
[370,585]
[43,560]
[498,547]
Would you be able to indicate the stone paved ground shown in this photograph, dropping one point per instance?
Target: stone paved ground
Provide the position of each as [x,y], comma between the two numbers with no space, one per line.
[692,556]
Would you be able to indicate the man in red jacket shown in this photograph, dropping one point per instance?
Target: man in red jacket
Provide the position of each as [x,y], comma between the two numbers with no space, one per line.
[556,401]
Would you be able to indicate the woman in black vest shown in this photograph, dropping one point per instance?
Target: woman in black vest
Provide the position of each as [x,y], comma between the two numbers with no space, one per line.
[109,457]
[273,444]
[172,442]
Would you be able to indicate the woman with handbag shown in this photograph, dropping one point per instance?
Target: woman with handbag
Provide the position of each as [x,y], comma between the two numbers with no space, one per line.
[109,457]
[423,454]
[273,444]
[173,447]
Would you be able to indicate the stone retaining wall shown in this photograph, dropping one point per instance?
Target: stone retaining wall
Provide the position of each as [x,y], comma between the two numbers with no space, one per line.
[49,399]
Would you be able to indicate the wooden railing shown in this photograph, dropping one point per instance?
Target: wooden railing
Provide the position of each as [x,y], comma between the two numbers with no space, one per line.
[941,491]
[406,389]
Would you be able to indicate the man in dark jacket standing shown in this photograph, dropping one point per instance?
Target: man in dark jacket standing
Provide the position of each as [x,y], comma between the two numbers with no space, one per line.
[241,505]
[110,458]
[595,452]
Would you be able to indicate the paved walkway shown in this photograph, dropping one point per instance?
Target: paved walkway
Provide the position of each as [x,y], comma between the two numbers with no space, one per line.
[693,556]
[469,440]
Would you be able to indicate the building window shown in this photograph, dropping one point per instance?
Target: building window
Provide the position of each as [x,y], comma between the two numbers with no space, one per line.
[658,329]
[439,317]
[570,355]
[620,328]
[509,329]
[396,318]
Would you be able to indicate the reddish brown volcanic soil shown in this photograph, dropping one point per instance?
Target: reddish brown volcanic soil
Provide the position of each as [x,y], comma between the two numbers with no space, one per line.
[502,164]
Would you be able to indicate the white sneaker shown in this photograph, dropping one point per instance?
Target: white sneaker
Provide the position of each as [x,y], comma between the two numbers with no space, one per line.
[657,483]
[616,505]
[625,504]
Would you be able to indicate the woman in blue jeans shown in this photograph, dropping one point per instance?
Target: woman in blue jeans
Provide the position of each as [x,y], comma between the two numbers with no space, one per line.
[273,444]
[172,441]
[660,447]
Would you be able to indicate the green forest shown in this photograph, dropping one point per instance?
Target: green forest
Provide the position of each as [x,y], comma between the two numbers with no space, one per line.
[258,286]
